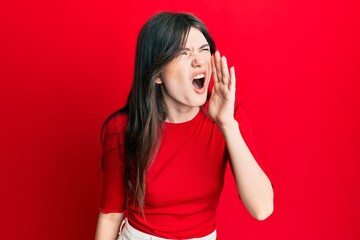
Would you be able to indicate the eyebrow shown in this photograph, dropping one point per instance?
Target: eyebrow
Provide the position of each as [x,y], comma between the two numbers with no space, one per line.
[202,46]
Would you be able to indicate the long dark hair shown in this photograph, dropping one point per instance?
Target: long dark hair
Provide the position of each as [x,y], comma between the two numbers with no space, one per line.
[160,41]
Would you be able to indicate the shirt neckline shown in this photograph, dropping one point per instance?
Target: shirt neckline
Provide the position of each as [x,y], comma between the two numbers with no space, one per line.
[185,124]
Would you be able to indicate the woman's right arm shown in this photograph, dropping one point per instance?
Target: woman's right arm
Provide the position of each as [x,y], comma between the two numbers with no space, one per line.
[108,226]
[112,205]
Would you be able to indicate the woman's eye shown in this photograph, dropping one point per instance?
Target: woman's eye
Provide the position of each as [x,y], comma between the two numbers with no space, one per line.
[205,50]
[185,53]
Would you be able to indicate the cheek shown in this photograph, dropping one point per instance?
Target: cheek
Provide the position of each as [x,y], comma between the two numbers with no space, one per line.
[174,81]
[207,59]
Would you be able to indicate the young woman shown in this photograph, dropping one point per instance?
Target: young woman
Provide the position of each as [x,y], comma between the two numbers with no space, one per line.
[165,152]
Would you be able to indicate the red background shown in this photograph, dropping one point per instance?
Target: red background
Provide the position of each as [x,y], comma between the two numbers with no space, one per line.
[66,65]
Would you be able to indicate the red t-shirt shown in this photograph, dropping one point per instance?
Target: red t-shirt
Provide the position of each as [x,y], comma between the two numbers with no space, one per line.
[183,184]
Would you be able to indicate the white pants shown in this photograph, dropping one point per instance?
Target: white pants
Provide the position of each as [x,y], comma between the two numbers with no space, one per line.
[127,232]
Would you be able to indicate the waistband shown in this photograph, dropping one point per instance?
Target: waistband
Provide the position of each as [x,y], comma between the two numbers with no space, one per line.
[127,232]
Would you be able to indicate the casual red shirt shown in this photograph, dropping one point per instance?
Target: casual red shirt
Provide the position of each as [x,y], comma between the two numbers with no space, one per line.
[183,184]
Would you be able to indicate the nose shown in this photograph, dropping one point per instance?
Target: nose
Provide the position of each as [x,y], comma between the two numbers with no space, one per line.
[197,60]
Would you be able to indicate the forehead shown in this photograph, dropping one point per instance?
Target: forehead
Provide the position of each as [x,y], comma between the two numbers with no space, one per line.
[195,38]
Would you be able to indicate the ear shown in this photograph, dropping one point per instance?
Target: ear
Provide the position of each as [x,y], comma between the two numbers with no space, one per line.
[158,80]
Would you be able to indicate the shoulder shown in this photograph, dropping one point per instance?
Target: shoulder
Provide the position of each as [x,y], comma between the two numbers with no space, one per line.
[113,131]
[239,111]
[115,123]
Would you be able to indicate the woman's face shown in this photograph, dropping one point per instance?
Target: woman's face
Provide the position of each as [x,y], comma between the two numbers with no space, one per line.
[185,79]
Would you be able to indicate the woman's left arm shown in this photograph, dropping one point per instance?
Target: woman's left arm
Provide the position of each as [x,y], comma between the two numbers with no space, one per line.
[253,185]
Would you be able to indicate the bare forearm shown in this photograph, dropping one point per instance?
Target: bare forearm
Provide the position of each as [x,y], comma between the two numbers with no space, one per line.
[253,185]
[108,226]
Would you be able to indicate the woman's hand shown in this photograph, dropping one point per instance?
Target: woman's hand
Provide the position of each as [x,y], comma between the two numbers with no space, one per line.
[108,225]
[222,99]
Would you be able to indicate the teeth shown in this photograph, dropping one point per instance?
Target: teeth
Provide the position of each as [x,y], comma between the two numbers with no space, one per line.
[199,76]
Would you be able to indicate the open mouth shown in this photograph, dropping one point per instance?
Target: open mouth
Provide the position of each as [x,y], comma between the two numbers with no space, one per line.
[198,81]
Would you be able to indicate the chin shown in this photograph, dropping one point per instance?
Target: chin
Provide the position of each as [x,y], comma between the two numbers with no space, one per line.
[202,100]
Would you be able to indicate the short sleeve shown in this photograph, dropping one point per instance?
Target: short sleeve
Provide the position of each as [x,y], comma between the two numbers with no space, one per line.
[246,132]
[113,195]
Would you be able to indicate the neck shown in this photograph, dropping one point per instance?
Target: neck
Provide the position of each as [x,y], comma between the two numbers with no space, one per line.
[181,115]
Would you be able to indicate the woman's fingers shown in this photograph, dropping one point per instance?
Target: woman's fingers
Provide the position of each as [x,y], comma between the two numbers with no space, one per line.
[232,78]
[218,66]
[220,69]
[224,70]
[213,68]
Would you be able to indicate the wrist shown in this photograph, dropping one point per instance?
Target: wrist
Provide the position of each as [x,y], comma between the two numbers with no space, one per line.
[229,126]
